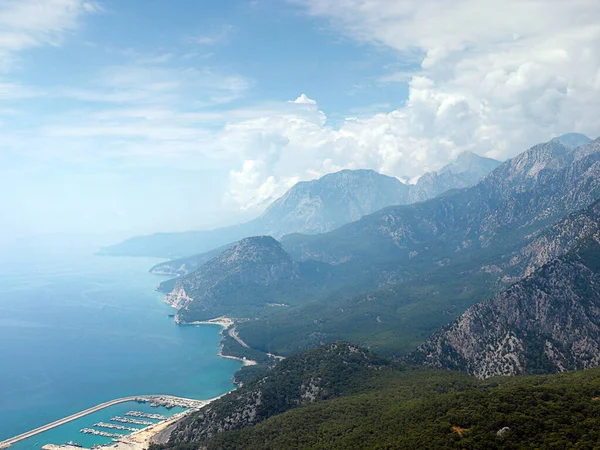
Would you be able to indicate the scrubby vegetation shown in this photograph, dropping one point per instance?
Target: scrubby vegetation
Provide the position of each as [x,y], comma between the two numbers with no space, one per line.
[374,404]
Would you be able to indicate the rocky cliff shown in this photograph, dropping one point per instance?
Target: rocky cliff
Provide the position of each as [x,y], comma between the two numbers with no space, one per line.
[548,322]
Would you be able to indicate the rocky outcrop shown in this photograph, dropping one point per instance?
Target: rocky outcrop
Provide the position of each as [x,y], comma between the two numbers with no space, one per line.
[178,298]
[559,239]
[548,322]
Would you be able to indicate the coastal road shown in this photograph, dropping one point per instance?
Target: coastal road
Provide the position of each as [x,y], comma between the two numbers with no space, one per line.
[14,440]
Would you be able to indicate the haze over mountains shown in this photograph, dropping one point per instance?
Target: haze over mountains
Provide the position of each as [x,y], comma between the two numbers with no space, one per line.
[498,278]
[316,206]
[390,279]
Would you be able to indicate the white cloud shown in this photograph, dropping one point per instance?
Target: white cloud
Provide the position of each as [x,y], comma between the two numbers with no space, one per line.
[31,23]
[502,74]
[304,100]
[220,37]
[493,76]
[496,76]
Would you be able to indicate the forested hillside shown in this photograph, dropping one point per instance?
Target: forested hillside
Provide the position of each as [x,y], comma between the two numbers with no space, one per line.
[380,405]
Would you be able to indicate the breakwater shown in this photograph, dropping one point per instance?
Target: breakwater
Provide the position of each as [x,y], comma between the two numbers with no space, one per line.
[154,400]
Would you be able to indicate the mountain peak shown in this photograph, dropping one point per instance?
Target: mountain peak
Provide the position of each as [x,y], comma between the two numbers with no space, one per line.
[331,201]
[253,249]
[468,161]
[464,171]
[573,140]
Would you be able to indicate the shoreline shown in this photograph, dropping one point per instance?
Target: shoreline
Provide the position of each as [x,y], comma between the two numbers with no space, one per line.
[141,439]
[228,325]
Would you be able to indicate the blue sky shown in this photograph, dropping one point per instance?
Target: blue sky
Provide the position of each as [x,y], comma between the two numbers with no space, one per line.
[136,116]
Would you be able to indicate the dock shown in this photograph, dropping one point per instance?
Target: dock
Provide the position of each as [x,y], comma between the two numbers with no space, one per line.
[21,437]
[168,401]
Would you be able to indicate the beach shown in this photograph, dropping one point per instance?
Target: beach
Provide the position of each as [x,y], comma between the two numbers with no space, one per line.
[228,326]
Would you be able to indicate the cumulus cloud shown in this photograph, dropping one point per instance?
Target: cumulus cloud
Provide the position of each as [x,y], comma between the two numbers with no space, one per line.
[522,71]
[304,100]
[490,76]
[495,77]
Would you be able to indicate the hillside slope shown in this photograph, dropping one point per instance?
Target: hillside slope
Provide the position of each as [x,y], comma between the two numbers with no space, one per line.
[319,374]
[388,406]
[548,322]
[253,274]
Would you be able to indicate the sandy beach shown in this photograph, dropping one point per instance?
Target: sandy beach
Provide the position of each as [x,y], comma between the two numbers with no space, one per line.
[228,325]
[223,321]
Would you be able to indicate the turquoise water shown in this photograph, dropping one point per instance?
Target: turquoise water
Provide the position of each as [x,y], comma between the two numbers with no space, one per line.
[77,330]
[70,431]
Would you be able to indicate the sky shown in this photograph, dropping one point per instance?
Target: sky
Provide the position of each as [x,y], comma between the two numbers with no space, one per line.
[138,116]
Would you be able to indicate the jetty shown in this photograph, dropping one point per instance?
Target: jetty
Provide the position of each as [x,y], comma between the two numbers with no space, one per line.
[167,401]
[7,443]
[99,433]
[133,421]
[114,426]
[144,415]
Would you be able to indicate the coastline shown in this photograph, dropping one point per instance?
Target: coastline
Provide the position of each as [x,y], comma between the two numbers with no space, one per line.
[141,439]
[228,326]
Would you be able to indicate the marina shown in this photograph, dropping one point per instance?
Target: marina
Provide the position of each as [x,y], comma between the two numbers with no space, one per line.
[145,415]
[114,426]
[141,418]
[128,420]
[99,433]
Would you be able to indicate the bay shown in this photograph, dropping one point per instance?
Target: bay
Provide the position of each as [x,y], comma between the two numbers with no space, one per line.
[77,330]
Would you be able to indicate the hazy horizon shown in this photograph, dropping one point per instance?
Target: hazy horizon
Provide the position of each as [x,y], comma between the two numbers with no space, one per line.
[135,118]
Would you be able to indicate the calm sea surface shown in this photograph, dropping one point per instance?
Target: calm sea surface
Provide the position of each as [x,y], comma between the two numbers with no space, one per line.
[77,330]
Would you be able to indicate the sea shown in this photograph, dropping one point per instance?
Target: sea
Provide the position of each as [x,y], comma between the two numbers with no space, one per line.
[77,330]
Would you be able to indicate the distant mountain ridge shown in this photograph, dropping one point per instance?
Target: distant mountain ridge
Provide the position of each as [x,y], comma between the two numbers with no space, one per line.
[545,182]
[446,254]
[315,207]
[411,269]
[465,171]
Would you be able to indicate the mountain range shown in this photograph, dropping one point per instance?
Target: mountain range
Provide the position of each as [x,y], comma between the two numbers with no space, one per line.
[390,279]
[499,278]
[315,207]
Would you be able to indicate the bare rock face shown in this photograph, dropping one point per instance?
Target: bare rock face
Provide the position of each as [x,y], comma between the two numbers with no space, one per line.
[548,322]
[561,238]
